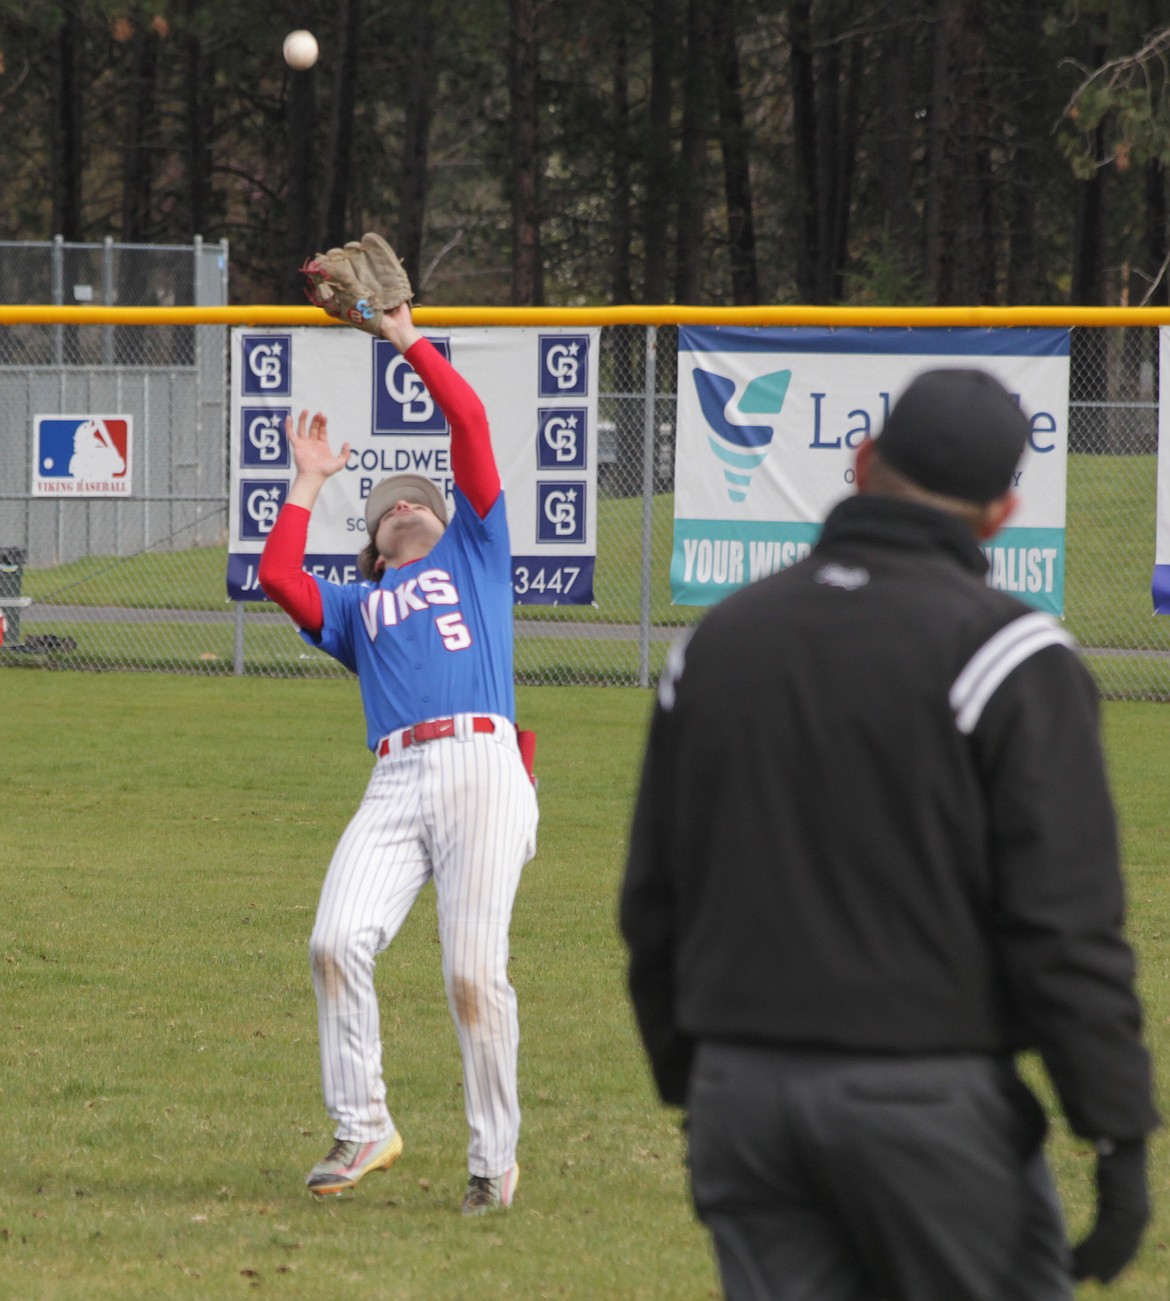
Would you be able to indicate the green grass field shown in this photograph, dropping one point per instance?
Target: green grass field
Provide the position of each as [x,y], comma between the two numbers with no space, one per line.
[162,842]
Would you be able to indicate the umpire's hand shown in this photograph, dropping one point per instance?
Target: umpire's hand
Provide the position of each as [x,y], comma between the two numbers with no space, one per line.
[1123,1210]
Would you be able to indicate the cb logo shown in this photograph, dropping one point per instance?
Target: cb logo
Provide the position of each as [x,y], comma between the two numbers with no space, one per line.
[267,365]
[402,404]
[260,503]
[564,365]
[263,445]
[560,444]
[560,512]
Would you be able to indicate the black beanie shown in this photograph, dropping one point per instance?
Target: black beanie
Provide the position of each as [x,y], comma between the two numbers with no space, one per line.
[956,432]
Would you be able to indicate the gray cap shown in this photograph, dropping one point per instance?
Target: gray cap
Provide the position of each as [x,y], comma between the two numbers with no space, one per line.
[956,432]
[414,487]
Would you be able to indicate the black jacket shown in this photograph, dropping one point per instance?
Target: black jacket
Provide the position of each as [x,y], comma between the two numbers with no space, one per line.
[874,817]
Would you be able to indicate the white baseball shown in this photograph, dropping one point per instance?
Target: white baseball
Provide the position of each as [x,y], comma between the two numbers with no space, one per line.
[300,50]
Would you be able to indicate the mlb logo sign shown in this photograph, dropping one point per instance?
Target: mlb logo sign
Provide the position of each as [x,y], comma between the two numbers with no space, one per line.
[263,444]
[81,456]
[402,404]
[260,503]
[267,365]
[560,512]
[561,440]
[564,365]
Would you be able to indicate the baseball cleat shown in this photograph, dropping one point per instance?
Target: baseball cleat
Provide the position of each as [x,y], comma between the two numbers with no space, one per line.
[348,1160]
[484,1194]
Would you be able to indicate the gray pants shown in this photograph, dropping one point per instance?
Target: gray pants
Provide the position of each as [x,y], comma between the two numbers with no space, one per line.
[845,1178]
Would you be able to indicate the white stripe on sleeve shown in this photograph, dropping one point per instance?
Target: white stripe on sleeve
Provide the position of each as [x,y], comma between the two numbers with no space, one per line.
[995,659]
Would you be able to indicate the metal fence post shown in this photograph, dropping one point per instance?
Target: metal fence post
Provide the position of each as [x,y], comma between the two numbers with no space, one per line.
[108,299]
[649,424]
[238,641]
[57,283]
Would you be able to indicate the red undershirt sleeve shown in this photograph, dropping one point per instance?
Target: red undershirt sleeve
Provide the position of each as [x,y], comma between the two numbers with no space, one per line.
[473,462]
[281,577]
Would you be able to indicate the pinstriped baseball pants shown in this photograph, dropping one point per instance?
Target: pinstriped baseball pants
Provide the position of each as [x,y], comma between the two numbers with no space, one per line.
[460,811]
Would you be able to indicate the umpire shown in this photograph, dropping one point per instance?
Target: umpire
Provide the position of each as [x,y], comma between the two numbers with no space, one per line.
[873,856]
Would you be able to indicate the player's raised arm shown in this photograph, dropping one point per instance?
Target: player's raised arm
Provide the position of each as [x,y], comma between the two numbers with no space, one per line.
[282,579]
[473,462]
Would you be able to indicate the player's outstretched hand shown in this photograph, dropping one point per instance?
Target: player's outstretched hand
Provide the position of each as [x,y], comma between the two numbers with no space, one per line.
[310,446]
[398,326]
[1123,1210]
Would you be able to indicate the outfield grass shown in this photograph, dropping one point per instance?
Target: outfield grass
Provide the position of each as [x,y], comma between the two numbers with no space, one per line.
[162,842]
[1110,553]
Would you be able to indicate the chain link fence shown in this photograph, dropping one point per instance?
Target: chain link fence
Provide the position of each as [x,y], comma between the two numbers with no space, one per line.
[140,584]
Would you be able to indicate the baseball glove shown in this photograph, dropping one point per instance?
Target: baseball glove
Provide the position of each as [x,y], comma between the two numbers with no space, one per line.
[358,283]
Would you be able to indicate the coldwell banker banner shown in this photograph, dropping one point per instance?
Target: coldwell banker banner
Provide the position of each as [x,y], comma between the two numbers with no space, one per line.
[539,388]
[769,422]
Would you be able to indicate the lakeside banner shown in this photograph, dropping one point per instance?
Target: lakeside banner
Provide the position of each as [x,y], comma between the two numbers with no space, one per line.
[769,421]
[539,388]
[1160,587]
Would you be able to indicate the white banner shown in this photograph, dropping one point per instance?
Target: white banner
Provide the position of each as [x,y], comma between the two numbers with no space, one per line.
[539,388]
[769,421]
[1160,587]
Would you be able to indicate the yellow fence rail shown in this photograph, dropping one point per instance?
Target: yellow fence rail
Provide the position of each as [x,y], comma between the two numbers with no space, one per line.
[630,314]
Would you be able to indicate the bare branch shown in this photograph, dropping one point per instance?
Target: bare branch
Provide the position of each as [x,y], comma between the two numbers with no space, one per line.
[1156,48]
[1157,280]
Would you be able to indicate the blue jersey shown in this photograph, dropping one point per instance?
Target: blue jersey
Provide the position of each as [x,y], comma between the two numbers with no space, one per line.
[433,638]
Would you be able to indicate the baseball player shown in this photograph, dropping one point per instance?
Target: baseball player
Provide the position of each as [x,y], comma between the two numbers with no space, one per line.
[428,631]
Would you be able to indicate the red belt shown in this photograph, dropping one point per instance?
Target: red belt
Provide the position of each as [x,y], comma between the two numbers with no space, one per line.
[432,731]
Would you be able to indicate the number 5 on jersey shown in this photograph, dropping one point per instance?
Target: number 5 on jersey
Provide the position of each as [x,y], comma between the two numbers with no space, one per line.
[453,631]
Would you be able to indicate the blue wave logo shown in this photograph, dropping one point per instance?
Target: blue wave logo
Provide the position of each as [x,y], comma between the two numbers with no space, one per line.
[740,447]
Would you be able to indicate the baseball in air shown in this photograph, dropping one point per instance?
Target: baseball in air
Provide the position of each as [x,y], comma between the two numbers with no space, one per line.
[300,50]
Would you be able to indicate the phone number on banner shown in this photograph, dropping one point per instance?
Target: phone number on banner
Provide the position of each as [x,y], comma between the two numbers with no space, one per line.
[552,580]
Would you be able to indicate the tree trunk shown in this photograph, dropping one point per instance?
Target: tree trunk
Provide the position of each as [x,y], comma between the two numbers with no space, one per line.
[420,97]
[806,191]
[658,154]
[826,97]
[1030,133]
[1088,273]
[198,75]
[345,77]
[138,153]
[842,161]
[695,116]
[1157,250]
[735,141]
[68,118]
[1088,429]
[1022,285]
[896,133]
[960,250]
[302,226]
[943,160]
[523,85]
[621,211]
